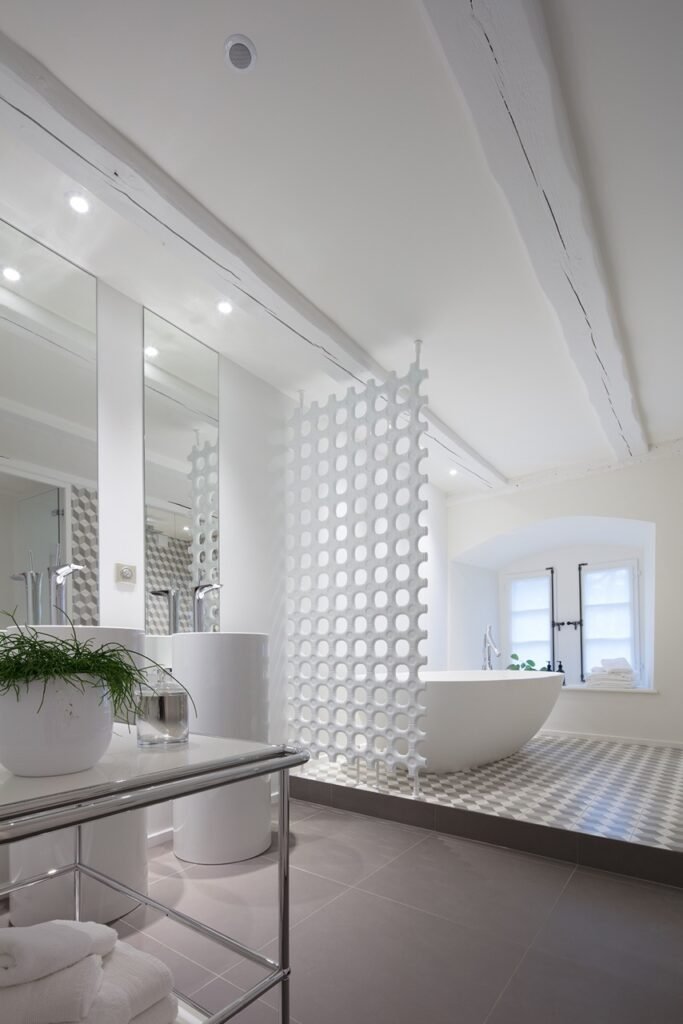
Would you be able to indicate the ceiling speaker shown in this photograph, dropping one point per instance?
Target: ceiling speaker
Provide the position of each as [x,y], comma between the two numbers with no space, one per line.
[240,53]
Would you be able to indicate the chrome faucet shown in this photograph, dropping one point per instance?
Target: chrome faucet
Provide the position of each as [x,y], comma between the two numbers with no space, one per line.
[33,582]
[488,648]
[57,576]
[200,593]
[171,595]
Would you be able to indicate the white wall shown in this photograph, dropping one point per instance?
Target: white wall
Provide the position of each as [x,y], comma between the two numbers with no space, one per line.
[120,456]
[251,453]
[436,619]
[651,490]
[10,592]
[472,606]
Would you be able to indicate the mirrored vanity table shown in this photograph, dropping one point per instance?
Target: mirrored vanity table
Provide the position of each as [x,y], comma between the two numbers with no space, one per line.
[128,778]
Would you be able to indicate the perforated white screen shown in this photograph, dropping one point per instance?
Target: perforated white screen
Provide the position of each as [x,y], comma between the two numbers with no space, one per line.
[355,583]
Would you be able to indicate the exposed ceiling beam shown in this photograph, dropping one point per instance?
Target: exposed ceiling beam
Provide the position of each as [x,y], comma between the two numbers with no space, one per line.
[499,54]
[49,117]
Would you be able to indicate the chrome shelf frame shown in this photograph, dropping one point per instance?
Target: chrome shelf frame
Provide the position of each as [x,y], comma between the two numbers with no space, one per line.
[27,818]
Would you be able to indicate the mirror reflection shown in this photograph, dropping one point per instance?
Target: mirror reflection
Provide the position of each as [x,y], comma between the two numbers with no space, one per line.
[181,481]
[48,435]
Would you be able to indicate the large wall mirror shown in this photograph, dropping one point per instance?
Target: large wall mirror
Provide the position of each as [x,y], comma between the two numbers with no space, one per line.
[48,435]
[181,481]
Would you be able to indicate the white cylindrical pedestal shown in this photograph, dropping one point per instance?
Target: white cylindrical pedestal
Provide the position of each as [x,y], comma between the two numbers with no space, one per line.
[227,676]
[116,846]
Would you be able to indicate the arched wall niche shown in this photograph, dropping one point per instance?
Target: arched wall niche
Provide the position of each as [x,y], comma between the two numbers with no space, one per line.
[477,575]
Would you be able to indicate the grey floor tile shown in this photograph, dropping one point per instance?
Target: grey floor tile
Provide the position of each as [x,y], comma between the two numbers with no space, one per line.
[220,993]
[551,990]
[347,848]
[238,899]
[631,929]
[202,951]
[499,892]
[188,976]
[367,960]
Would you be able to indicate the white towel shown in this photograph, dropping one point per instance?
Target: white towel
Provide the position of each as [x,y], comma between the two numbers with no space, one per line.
[163,1012]
[144,979]
[611,682]
[66,995]
[110,1006]
[616,665]
[27,954]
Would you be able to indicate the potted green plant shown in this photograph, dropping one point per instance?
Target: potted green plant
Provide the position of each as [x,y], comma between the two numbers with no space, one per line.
[59,697]
[517,665]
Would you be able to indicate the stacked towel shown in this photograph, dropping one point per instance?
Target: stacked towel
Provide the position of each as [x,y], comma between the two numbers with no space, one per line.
[41,949]
[62,972]
[612,674]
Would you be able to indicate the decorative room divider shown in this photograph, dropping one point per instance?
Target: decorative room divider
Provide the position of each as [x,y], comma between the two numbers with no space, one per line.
[204,531]
[355,588]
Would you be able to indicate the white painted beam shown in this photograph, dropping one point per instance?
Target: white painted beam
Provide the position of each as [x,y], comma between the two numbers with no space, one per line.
[46,115]
[499,54]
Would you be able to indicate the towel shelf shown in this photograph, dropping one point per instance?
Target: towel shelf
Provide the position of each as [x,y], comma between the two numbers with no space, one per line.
[129,778]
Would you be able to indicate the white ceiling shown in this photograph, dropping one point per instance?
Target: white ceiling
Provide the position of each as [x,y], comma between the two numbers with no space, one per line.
[348,160]
[621,69]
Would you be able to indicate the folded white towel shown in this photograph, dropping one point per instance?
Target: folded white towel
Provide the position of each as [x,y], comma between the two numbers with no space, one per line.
[163,1012]
[110,1006]
[610,683]
[616,665]
[66,995]
[27,954]
[144,979]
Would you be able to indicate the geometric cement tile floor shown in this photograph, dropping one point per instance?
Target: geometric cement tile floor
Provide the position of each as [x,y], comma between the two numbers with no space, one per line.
[395,925]
[621,790]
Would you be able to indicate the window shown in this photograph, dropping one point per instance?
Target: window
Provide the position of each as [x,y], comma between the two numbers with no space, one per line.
[610,619]
[529,617]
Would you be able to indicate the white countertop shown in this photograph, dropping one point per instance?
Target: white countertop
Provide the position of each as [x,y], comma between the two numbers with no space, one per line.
[125,762]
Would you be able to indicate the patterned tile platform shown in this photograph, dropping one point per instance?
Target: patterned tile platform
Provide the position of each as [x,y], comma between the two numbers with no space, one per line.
[621,790]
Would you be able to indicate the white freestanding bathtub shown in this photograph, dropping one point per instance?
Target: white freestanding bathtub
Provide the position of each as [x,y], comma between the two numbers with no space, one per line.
[475,717]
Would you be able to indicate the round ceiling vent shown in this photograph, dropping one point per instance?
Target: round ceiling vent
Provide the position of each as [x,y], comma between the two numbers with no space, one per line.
[240,53]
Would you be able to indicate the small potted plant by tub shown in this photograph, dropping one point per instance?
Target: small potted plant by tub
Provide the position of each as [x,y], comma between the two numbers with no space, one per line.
[59,697]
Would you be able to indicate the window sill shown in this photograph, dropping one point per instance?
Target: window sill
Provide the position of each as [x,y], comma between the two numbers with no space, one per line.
[582,688]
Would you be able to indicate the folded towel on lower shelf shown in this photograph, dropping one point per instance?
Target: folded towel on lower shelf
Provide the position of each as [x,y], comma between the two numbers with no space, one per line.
[66,995]
[111,1007]
[27,954]
[143,979]
[163,1012]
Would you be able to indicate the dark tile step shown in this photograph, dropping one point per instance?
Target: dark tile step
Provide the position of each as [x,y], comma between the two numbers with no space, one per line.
[654,864]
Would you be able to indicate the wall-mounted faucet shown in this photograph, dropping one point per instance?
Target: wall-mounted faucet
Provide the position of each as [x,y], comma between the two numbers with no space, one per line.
[200,593]
[171,594]
[488,649]
[57,576]
[33,582]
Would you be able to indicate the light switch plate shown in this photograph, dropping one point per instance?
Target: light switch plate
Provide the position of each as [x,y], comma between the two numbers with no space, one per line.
[125,573]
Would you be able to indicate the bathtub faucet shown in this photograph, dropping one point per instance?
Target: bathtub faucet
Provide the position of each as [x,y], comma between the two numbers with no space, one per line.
[488,648]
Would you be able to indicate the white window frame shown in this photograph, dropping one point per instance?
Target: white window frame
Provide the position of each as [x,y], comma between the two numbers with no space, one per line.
[506,581]
[633,565]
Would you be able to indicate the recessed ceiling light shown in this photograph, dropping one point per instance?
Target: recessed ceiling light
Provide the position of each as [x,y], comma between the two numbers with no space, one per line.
[10,274]
[240,53]
[78,203]
[453,472]
[224,307]
[186,529]
[151,352]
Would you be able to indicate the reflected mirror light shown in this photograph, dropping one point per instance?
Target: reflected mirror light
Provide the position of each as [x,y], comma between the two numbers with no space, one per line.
[181,478]
[48,437]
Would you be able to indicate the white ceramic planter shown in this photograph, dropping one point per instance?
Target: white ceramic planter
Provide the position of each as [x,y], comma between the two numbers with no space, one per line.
[70,733]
